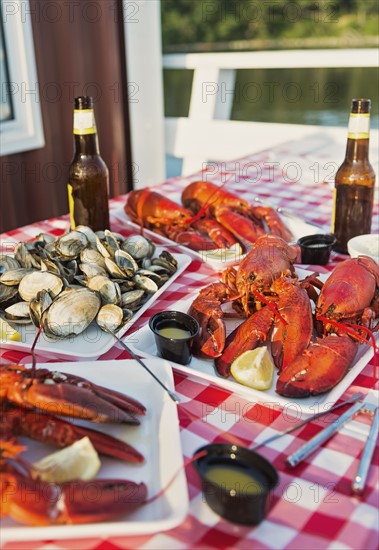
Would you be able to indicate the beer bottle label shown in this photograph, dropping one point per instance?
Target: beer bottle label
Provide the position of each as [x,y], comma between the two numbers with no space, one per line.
[84,122]
[359,126]
[333,222]
[71,206]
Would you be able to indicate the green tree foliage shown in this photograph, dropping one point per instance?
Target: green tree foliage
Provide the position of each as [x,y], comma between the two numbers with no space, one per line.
[186,22]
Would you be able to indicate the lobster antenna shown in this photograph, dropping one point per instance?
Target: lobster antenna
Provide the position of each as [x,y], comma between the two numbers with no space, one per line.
[208,202]
[271,306]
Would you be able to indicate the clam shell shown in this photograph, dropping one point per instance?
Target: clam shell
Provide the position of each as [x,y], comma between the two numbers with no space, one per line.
[20,310]
[8,262]
[71,244]
[36,281]
[13,277]
[137,246]
[109,291]
[132,298]
[110,317]
[71,312]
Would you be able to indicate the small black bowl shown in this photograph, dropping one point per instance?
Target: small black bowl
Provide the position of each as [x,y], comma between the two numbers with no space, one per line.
[236,482]
[178,346]
[316,249]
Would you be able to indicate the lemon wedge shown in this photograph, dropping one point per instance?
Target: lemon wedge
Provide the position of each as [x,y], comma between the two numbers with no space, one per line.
[7,332]
[77,461]
[232,254]
[254,368]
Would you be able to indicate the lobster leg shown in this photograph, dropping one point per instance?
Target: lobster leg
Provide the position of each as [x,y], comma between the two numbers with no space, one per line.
[274,222]
[217,232]
[66,395]
[56,431]
[36,502]
[247,336]
[320,367]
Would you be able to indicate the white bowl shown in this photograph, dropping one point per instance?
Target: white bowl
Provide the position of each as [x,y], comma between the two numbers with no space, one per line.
[367,245]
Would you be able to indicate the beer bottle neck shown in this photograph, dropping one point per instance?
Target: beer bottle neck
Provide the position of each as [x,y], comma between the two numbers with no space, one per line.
[357,149]
[86,144]
[358,136]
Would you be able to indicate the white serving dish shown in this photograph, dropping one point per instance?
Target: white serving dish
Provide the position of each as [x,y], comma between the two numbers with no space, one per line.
[157,438]
[221,258]
[142,342]
[366,245]
[92,342]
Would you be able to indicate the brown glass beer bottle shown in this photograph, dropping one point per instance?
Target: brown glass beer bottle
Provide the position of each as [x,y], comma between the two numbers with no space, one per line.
[88,179]
[354,180]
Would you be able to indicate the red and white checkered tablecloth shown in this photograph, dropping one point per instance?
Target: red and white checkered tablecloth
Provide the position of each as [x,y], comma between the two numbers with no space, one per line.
[312,507]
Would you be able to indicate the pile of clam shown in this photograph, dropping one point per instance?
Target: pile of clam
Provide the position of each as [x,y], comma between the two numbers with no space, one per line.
[65,283]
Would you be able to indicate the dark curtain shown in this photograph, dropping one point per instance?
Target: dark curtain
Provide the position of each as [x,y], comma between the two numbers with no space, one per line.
[79,48]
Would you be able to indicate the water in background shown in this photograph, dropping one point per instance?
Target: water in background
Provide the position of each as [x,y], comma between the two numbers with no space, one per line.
[316,96]
[319,96]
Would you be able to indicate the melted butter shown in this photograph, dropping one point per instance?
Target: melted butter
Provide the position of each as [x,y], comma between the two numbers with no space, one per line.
[237,479]
[173,331]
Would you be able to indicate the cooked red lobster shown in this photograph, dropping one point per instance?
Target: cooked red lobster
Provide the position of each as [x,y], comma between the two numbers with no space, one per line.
[265,290]
[30,396]
[245,221]
[66,395]
[37,393]
[212,217]
[36,502]
[264,277]
[162,215]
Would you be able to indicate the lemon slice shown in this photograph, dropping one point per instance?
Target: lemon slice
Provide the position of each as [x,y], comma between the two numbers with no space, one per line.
[78,461]
[232,254]
[7,332]
[254,368]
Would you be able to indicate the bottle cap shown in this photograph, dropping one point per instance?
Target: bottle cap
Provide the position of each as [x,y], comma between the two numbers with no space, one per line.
[83,102]
[360,105]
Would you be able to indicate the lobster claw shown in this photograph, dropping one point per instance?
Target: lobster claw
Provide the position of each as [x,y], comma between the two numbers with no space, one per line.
[319,368]
[37,502]
[66,395]
[206,309]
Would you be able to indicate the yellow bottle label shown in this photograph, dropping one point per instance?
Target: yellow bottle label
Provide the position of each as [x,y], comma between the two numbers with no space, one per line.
[84,122]
[359,126]
[333,221]
[71,205]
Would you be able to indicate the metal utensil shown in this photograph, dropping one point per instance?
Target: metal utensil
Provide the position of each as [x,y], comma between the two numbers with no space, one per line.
[313,444]
[359,481]
[352,399]
[172,394]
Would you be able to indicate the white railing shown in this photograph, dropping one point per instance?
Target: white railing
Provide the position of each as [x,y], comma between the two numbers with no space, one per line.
[208,134]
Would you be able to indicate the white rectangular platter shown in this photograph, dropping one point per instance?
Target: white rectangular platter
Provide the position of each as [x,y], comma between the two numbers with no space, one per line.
[157,438]
[142,342]
[222,257]
[92,342]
